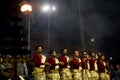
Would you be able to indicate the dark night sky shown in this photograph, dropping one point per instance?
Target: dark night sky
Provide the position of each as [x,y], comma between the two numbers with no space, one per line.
[101,20]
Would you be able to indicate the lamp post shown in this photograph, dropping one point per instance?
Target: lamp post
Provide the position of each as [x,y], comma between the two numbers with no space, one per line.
[48,9]
[81,24]
[27,8]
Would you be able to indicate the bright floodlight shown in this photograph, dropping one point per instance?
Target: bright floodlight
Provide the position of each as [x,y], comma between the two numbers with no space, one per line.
[111,58]
[54,8]
[46,8]
[26,8]
[92,40]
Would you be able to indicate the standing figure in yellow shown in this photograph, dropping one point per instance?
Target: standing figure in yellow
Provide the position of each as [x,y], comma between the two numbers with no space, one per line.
[75,64]
[53,66]
[39,64]
[65,68]
[94,67]
[103,69]
[85,67]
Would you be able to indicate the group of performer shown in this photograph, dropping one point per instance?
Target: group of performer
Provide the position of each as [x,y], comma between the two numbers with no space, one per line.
[86,67]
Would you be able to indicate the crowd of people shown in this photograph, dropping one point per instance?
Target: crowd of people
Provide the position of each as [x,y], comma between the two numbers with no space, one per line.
[23,68]
[86,67]
[79,66]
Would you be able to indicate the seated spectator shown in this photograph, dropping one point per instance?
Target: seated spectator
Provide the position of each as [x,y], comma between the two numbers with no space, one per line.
[3,74]
[118,72]
[22,67]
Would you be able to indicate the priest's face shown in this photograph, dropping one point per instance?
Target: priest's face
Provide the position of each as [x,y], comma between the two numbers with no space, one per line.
[76,53]
[65,51]
[39,49]
[102,57]
[93,54]
[54,54]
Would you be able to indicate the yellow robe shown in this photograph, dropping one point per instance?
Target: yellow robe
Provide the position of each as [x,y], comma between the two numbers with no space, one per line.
[38,72]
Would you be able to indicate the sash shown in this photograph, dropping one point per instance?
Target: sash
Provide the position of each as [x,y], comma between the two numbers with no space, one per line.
[56,61]
[43,58]
[67,61]
[95,65]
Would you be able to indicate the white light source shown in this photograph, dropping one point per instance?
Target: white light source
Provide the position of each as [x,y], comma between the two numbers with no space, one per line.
[46,8]
[111,58]
[54,8]
[92,40]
